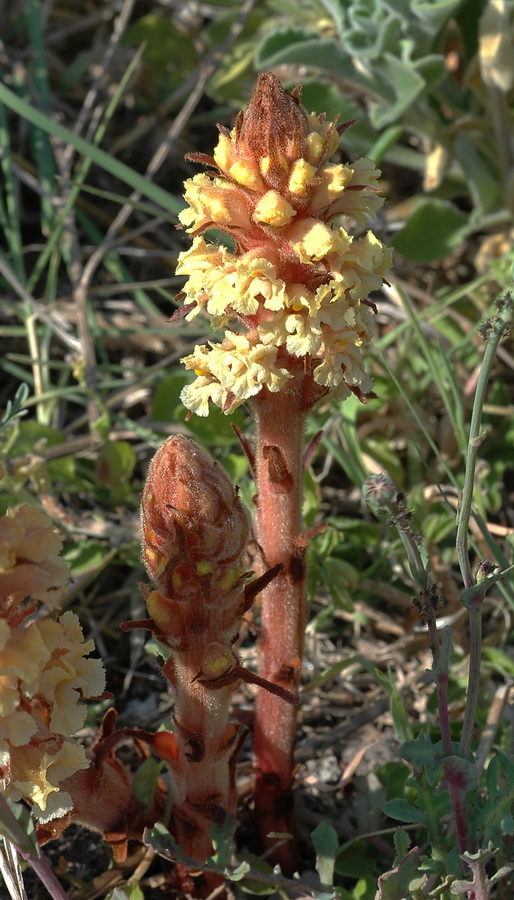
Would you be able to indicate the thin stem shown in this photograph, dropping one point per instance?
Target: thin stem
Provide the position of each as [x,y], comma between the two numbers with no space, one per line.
[475,652]
[500,113]
[495,332]
[26,849]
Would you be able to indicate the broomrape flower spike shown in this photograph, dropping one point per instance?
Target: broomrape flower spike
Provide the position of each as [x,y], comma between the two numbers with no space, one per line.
[291,299]
[294,289]
[46,668]
[194,531]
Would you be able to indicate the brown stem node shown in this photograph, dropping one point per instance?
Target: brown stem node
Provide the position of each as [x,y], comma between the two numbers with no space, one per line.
[279,476]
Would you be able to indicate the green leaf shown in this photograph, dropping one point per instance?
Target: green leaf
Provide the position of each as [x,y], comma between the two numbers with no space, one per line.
[33,437]
[432,232]
[222,834]
[228,82]
[321,96]
[396,883]
[299,46]
[113,471]
[326,844]
[213,430]
[255,886]
[405,85]
[355,860]
[393,776]
[482,177]
[166,398]
[460,771]
[434,13]
[12,831]
[127,892]
[216,429]
[88,557]
[239,872]
[116,463]
[400,716]
[404,811]
[401,842]
[144,784]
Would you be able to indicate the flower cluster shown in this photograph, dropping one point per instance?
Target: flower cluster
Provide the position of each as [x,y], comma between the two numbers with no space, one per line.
[296,282]
[30,565]
[46,670]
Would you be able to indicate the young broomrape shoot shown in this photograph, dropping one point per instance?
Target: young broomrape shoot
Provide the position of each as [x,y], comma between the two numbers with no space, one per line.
[291,298]
[194,532]
[46,668]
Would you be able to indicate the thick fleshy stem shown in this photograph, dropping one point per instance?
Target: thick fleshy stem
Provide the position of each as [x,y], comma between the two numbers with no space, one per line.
[279,479]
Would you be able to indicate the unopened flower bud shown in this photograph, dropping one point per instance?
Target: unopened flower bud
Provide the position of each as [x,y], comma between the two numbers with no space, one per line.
[194,526]
[273,129]
[378,490]
[485,569]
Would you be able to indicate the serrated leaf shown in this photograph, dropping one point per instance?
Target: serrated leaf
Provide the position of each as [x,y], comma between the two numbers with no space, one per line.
[326,844]
[396,883]
[423,754]
[402,843]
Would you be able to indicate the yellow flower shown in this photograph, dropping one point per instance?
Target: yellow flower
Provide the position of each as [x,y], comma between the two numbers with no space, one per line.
[273,209]
[312,240]
[224,284]
[342,364]
[362,268]
[49,675]
[213,201]
[69,675]
[294,279]
[37,769]
[360,199]
[239,366]
[29,560]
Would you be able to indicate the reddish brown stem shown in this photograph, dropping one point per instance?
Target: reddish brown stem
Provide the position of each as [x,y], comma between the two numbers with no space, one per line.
[280,422]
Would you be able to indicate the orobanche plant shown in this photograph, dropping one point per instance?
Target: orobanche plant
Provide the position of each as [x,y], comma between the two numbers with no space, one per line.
[291,298]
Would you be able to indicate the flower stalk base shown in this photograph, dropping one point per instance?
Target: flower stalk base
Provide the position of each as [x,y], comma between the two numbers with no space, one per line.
[279,480]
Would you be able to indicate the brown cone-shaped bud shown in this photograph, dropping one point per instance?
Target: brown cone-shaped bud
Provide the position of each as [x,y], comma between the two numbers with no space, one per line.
[274,126]
[194,526]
